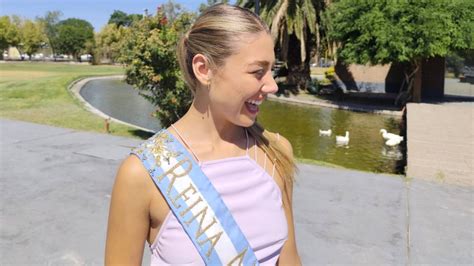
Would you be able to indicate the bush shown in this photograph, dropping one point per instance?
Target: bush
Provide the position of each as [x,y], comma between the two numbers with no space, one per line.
[152,67]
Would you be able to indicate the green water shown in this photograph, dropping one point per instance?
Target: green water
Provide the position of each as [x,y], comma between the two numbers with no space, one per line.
[366,149]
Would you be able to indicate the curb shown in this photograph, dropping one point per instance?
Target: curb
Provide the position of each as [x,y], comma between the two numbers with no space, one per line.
[355,108]
[75,89]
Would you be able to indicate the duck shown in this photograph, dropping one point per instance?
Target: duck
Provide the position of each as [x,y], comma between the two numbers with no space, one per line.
[325,132]
[343,140]
[393,142]
[388,136]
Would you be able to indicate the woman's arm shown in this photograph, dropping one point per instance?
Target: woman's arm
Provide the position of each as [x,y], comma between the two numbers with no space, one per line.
[289,253]
[128,225]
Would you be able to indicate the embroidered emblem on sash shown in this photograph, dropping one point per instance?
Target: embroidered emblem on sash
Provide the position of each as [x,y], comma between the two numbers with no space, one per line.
[195,202]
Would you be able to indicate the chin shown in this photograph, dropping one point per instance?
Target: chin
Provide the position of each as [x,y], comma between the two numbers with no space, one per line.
[247,122]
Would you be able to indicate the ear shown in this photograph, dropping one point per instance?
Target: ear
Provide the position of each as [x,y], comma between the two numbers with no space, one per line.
[202,69]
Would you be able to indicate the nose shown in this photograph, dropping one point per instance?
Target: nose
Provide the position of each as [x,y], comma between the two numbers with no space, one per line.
[270,85]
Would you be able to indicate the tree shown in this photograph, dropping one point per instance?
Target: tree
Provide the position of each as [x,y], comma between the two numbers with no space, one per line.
[120,18]
[152,67]
[170,10]
[32,37]
[49,24]
[295,28]
[110,40]
[9,34]
[382,32]
[73,35]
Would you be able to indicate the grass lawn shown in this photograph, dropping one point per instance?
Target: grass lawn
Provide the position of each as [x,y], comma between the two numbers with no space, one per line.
[37,92]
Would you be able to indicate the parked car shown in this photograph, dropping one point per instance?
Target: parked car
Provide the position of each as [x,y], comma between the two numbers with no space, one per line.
[467,74]
[85,58]
[38,56]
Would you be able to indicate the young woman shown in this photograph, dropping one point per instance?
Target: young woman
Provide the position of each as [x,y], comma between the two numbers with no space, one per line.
[226,59]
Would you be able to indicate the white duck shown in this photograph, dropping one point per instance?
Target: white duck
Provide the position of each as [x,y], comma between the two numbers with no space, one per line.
[388,136]
[393,141]
[343,140]
[325,132]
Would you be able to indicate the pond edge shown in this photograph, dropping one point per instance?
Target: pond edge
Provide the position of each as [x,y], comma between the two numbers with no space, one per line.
[75,88]
[354,108]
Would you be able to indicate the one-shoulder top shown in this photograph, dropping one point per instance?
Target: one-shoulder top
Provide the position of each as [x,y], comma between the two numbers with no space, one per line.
[253,198]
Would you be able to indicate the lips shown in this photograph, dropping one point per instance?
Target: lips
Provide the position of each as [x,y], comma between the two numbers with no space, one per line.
[252,106]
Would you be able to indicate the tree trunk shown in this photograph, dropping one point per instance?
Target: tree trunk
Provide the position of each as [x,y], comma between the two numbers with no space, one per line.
[318,45]
[416,93]
[298,72]
[410,89]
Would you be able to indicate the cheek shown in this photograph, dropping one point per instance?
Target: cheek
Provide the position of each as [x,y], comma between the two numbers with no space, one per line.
[231,94]
[231,99]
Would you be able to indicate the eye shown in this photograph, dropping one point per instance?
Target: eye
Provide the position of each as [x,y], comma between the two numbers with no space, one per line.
[258,73]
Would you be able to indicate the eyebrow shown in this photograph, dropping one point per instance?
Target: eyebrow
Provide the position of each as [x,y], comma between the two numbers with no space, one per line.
[260,63]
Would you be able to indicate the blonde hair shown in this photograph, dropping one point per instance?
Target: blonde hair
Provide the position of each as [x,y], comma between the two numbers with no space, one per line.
[214,35]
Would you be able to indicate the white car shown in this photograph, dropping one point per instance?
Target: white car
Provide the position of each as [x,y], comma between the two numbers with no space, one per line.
[86,57]
[38,56]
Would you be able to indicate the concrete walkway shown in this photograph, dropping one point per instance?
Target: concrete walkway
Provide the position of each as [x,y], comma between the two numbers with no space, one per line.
[55,190]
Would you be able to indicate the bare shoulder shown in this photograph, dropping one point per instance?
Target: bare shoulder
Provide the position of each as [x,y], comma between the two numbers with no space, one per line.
[132,174]
[128,224]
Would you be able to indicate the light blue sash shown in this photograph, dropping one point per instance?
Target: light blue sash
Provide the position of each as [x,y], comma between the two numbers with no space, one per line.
[195,202]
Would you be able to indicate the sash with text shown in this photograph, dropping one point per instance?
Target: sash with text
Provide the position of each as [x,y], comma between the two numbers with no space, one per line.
[194,201]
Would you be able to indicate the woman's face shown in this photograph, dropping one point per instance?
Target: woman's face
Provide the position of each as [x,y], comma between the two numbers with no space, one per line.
[243,82]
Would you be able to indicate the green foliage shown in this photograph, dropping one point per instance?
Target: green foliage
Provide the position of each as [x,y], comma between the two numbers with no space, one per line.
[110,40]
[152,67]
[120,18]
[73,35]
[32,37]
[296,30]
[9,33]
[285,17]
[49,24]
[380,32]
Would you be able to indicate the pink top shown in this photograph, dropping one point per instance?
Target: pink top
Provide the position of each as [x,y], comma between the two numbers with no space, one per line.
[253,198]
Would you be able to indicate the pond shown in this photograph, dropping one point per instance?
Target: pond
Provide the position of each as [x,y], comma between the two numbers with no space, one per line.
[300,124]
[119,100]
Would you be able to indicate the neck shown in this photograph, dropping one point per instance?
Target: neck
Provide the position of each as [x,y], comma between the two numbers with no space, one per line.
[199,124]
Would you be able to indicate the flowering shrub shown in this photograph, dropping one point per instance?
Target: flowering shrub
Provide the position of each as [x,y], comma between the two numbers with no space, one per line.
[152,67]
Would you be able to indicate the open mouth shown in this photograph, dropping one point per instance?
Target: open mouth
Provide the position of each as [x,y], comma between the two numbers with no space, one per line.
[252,106]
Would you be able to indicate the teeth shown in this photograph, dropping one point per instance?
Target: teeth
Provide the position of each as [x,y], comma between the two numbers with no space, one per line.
[255,102]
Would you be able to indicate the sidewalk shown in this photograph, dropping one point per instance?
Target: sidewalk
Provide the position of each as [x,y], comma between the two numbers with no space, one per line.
[55,192]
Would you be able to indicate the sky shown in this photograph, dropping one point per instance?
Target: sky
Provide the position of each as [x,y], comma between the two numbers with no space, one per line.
[97,12]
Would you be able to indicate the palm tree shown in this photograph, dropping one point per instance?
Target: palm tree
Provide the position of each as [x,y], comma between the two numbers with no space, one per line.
[296,31]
